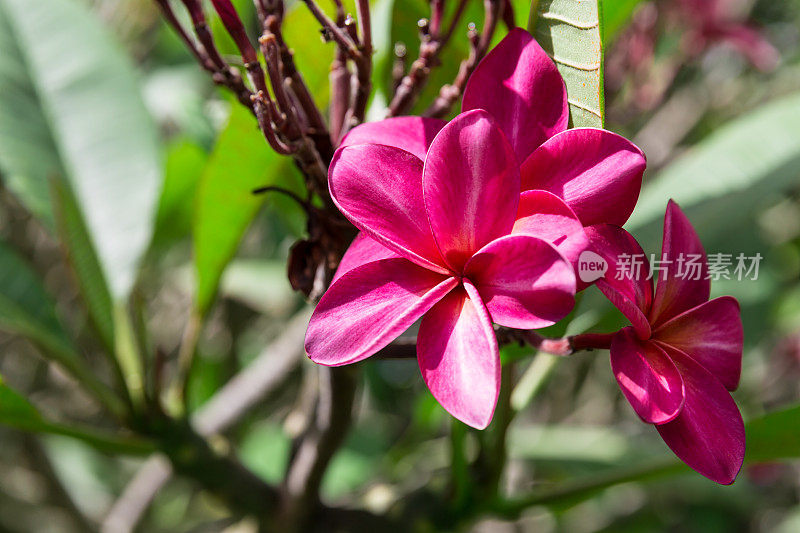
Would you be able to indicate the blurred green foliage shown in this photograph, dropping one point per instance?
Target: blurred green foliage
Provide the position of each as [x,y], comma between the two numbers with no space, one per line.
[128,201]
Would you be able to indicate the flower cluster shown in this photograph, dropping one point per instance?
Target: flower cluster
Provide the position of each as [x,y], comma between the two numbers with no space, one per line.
[481,220]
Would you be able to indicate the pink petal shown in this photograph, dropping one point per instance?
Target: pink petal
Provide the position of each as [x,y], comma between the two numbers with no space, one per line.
[647,377]
[412,134]
[676,294]
[369,307]
[633,293]
[379,189]
[708,434]
[521,87]
[543,214]
[524,281]
[712,335]
[459,358]
[362,250]
[471,186]
[598,173]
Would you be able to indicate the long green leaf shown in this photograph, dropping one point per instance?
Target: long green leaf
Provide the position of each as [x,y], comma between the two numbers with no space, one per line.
[71,107]
[732,171]
[225,204]
[17,412]
[84,261]
[771,437]
[570,32]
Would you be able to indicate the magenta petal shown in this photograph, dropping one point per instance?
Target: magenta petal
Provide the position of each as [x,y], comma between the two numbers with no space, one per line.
[678,293]
[712,335]
[412,134]
[459,357]
[362,250]
[521,87]
[379,189]
[632,294]
[543,214]
[524,281]
[471,186]
[648,378]
[369,307]
[708,434]
[596,172]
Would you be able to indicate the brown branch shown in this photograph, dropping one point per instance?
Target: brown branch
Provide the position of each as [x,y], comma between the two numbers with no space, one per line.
[449,94]
[244,391]
[431,45]
[314,450]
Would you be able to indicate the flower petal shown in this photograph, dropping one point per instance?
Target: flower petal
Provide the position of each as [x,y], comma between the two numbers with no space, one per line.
[624,284]
[678,293]
[648,378]
[459,358]
[362,250]
[543,214]
[708,434]
[369,307]
[524,281]
[412,134]
[712,335]
[379,189]
[598,173]
[471,186]
[521,87]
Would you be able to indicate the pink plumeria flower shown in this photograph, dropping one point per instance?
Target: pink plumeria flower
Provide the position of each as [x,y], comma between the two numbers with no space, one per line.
[598,174]
[683,353]
[441,241]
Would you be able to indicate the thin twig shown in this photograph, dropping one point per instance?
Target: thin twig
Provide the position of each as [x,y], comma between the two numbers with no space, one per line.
[449,94]
[336,33]
[431,45]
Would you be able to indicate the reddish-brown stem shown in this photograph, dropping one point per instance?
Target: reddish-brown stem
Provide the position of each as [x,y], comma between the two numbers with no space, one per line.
[406,348]
[198,53]
[493,10]
[567,345]
[264,113]
[340,85]
[269,47]
[205,52]
[294,82]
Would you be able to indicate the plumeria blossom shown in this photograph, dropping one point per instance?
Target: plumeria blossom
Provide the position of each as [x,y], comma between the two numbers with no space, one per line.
[597,173]
[442,241]
[682,354]
[469,222]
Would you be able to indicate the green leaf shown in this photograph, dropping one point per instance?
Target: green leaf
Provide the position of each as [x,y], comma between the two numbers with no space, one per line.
[727,173]
[84,261]
[25,307]
[17,412]
[570,32]
[774,436]
[771,437]
[225,204]
[27,310]
[71,97]
[185,163]
[615,16]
